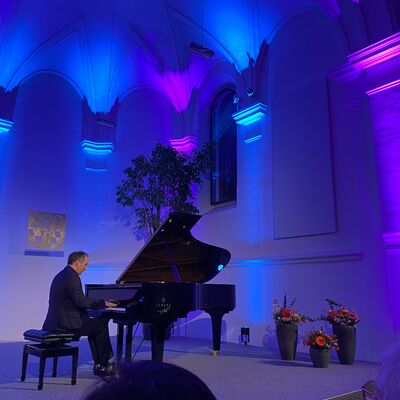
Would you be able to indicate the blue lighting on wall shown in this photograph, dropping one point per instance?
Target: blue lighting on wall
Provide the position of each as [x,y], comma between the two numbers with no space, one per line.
[96,169]
[251,114]
[220,267]
[98,148]
[253,139]
[5,125]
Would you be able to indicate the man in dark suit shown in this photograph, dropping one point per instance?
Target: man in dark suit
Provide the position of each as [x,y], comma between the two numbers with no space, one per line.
[68,312]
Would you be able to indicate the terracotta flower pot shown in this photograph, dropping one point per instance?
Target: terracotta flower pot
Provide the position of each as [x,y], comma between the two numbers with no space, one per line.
[346,336]
[287,335]
[320,357]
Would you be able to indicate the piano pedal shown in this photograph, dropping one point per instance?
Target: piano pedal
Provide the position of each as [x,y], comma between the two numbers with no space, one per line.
[214,353]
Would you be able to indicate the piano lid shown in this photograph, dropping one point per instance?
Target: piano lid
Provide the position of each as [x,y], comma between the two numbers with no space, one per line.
[173,255]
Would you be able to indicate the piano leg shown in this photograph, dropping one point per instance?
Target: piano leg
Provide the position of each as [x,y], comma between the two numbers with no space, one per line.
[120,340]
[128,342]
[158,330]
[216,315]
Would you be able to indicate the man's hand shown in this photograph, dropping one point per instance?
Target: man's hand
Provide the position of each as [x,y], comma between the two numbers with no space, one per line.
[110,304]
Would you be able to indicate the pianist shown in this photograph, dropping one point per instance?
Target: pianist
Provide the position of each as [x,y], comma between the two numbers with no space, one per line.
[67,312]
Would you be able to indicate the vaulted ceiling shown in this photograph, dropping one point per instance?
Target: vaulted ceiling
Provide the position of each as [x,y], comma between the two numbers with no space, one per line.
[107,48]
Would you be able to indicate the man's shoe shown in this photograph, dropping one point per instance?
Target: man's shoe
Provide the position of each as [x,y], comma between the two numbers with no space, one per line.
[104,370]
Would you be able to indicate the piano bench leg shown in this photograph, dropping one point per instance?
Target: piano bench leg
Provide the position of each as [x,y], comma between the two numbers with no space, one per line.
[24,363]
[43,351]
[42,366]
[55,362]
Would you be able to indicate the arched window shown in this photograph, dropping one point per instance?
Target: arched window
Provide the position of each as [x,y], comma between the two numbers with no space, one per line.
[223,135]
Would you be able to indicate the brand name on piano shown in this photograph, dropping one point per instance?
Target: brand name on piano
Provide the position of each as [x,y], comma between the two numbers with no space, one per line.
[163,308]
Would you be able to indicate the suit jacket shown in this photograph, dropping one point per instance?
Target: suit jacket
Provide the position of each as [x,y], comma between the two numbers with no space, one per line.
[67,303]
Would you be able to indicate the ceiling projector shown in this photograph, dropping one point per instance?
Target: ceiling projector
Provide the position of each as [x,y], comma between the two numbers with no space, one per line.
[199,49]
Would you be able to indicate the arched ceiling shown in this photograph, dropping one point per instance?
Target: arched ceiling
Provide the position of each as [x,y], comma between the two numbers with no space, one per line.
[107,47]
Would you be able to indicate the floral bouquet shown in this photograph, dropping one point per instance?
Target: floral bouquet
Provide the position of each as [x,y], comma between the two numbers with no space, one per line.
[318,339]
[284,314]
[338,314]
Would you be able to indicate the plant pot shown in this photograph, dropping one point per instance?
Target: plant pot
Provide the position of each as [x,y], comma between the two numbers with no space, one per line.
[346,336]
[287,336]
[320,357]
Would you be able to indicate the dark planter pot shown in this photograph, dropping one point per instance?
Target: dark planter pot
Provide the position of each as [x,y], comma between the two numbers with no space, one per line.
[346,336]
[320,357]
[287,336]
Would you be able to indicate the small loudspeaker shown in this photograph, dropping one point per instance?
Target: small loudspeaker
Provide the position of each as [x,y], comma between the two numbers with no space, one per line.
[244,335]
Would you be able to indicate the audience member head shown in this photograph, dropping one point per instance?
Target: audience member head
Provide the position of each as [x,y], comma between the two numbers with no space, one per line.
[151,380]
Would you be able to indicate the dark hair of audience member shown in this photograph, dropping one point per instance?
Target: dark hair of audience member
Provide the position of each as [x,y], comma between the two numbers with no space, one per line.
[151,380]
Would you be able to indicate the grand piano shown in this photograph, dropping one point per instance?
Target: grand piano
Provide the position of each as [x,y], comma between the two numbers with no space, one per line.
[164,282]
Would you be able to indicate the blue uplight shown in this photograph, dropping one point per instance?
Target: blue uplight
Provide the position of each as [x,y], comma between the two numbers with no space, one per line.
[251,114]
[5,125]
[253,139]
[220,267]
[96,169]
[99,148]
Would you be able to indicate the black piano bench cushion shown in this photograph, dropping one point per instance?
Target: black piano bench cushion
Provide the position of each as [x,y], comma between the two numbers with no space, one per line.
[41,336]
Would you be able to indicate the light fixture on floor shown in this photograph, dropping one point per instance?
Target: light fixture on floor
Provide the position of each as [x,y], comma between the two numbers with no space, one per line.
[245,335]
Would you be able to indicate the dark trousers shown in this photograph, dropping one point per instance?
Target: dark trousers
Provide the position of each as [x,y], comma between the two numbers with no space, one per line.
[96,330]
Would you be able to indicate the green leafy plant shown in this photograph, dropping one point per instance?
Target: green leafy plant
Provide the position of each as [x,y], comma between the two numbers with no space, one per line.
[156,185]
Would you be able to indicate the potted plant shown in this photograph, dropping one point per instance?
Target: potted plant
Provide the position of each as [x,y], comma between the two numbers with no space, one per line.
[320,344]
[287,320]
[343,321]
[156,185]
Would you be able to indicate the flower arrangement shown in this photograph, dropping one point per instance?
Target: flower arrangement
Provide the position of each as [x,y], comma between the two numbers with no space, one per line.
[284,314]
[338,314]
[318,339]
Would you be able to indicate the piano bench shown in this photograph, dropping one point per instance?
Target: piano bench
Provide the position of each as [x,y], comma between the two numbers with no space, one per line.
[49,344]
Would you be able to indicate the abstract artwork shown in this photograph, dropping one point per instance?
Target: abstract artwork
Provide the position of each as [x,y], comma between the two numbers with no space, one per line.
[46,234]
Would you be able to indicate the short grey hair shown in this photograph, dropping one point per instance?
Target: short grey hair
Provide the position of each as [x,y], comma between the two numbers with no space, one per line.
[76,256]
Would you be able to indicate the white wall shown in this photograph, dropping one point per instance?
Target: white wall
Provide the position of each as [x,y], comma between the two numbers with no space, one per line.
[307,218]
[44,170]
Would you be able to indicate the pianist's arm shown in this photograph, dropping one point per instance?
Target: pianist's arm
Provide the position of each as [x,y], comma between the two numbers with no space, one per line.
[75,292]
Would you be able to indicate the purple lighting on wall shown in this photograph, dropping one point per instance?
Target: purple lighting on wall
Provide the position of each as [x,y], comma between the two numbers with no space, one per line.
[382,88]
[385,107]
[377,53]
[384,101]
[180,85]
[186,144]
